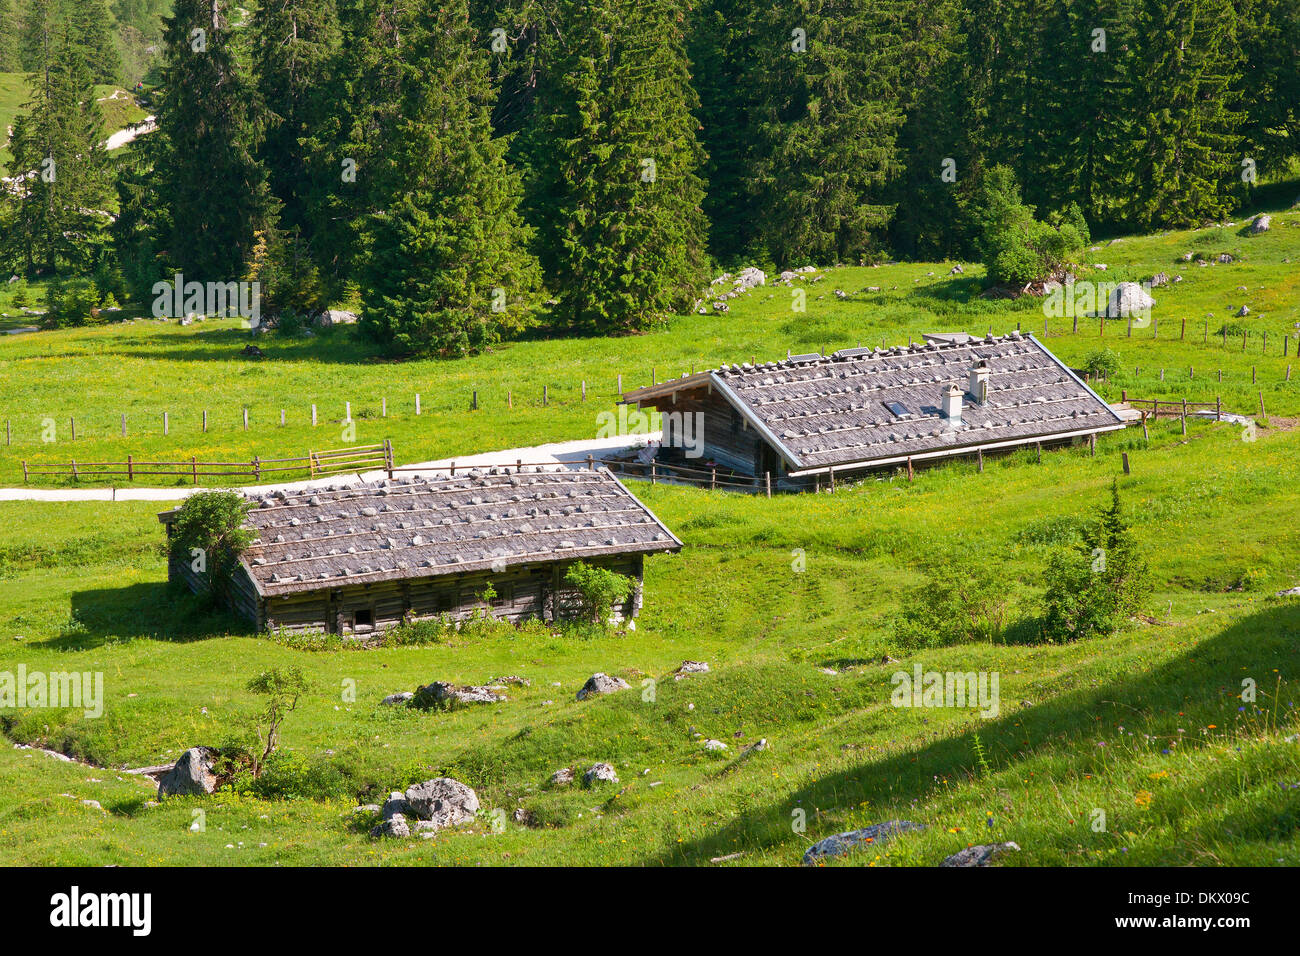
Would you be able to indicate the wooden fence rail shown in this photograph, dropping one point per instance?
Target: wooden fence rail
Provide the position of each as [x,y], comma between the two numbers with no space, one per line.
[315,463]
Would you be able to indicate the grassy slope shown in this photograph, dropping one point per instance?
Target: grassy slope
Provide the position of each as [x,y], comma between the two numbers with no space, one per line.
[119,111]
[164,367]
[1081,726]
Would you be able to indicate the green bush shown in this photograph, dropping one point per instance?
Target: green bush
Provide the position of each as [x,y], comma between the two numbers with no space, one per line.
[71,303]
[599,588]
[1017,248]
[211,523]
[1100,583]
[1101,363]
[958,605]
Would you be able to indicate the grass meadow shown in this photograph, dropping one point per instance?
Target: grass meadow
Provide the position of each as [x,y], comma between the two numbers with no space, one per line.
[1132,749]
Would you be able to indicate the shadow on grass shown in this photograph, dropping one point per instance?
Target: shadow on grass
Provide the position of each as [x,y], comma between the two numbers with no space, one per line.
[156,611]
[1193,692]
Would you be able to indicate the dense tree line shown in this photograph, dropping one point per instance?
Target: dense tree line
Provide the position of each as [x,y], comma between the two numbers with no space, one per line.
[446,166]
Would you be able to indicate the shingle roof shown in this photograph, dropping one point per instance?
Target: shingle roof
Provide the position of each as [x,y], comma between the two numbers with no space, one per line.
[835,410]
[424,527]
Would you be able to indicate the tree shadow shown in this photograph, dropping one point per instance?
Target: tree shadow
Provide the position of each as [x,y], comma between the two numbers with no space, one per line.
[1195,691]
[155,610]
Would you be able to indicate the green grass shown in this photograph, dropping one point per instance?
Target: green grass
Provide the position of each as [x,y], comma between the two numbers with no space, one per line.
[161,366]
[1146,725]
[119,112]
[1082,726]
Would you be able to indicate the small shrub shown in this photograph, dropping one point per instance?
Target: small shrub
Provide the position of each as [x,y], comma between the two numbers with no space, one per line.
[599,590]
[209,533]
[958,605]
[1093,588]
[283,688]
[1101,363]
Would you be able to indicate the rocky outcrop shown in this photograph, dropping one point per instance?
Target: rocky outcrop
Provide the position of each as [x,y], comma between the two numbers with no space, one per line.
[443,694]
[601,684]
[599,773]
[847,842]
[443,801]
[981,855]
[690,667]
[192,774]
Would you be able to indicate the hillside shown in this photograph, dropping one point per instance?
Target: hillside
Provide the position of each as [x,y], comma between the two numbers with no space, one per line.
[119,107]
[1147,725]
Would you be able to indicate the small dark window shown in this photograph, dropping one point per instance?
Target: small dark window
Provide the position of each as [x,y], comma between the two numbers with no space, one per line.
[363,619]
[443,602]
[505,595]
[898,409]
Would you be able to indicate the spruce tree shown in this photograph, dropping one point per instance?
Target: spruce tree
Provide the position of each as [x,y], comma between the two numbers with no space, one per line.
[828,73]
[211,188]
[92,28]
[56,147]
[1187,150]
[624,227]
[293,44]
[447,268]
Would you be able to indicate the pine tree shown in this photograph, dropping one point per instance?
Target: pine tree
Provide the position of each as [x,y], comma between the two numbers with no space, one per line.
[1187,149]
[294,41]
[623,226]
[56,146]
[447,269]
[828,73]
[1269,88]
[212,190]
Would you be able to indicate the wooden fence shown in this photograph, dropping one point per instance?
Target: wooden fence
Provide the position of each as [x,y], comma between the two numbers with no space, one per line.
[703,476]
[317,464]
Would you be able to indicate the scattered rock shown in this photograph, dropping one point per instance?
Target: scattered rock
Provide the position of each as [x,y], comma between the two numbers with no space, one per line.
[192,774]
[714,745]
[442,694]
[399,698]
[750,277]
[252,351]
[365,808]
[956,270]
[601,684]
[512,679]
[1261,224]
[1244,310]
[444,801]
[599,773]
[92,804]
[760,744]
[980,855]
[1159,279]
[842,843]
[562,777]
[1185,257]
[394,827]
[336,317]
[690,667]
[1224,258]
[1289,592]
[720,306]
[523,817]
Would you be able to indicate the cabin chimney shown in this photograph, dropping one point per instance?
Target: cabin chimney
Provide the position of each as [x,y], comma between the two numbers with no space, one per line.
[979,382]
[952,405]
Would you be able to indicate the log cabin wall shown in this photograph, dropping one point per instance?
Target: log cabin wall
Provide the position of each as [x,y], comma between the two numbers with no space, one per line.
[522,593]
[728,438]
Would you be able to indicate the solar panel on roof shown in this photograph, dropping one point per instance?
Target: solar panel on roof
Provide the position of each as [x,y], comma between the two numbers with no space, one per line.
[898,408]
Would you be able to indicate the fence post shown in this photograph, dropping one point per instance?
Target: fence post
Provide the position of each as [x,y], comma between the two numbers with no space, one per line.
[979,460]
[72,428]
[546,396]
[1092,444]
[1076,324]
[831,470]
[1123,394]
[473,404]
[74,468]
[24,471]
[383,407]
[713,477]
[1182,336]
[205,420]
[1184,416]
[388,457]
[1218,408]
[591,463]
[620,384]
[767,480]
[347,411]
[417,408]
[909,468]
[452,472]
[194,469]
[167,422]
[282,418]
[257,468]
[584,389]
[510,399]
[1124,455]
[1262,413]
[1146,436]
[123,426]
[653,473]
[245,418]
[130,469]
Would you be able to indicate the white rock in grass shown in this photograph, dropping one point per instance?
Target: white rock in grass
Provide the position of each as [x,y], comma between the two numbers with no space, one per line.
[981,855]
[599,773]
[842,843]
[191,775]
[444,801]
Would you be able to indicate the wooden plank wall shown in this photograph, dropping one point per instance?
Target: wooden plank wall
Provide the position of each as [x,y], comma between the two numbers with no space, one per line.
[728,439]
